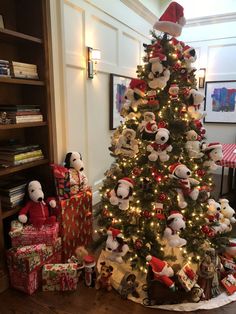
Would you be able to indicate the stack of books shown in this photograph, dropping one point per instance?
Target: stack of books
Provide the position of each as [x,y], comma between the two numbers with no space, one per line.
[14,155]
[24,70]
[4,68]
[12,194]
[22,113]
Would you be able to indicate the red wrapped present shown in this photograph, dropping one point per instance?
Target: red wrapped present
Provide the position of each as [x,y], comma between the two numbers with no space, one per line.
[187,277]
[76,222]
[59,277]
[229,282]
[31,235]
[30,282]
[62,181]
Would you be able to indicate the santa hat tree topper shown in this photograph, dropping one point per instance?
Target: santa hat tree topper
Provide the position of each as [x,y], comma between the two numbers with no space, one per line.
[172,20]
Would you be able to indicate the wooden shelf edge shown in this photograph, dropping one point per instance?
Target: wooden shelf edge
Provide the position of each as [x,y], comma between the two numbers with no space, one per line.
[10,80]
[10,212]
[8,34]
[22,125]
[23,167]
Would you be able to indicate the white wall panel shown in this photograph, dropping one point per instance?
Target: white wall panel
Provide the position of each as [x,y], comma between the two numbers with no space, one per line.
[74,34]
[105,38]
[130,51]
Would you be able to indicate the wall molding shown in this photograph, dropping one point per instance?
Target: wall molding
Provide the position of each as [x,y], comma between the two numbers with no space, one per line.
[212,19]
[141,10]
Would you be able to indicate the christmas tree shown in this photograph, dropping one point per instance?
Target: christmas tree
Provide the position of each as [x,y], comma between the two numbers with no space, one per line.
[157,192]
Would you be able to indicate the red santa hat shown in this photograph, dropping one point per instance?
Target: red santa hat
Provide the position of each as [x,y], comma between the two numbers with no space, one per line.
[127,181]
[172,20]
[174,167]
[174,214]
[156,55]
[89,261]
[114,232]
[138,86]
[212,146]
[156,264]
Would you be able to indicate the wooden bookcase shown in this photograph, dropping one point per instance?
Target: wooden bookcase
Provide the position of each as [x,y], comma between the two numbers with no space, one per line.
[26,38]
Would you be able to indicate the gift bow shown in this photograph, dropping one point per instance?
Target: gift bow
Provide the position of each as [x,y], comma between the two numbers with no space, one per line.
[189,272]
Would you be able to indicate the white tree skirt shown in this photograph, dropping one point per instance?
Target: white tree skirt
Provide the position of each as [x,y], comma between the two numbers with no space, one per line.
[121,269]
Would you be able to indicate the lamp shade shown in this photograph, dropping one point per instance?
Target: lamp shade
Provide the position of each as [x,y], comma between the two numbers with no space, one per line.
[96,54]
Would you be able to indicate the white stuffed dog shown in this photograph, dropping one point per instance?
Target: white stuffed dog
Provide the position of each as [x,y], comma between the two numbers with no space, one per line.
[214,153]
[181,173]
[159,75]
[134,95]
[175,223]
[78,179]
[116,245]
[190,57]
[194,107]
[127,145]
[192,145]
[160,147]
[122,193]
[226,210]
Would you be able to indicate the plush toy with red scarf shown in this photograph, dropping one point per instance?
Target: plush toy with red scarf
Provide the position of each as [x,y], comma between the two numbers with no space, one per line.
[160,147]
[181,173]
[175,223]
[36,208]
[116,245]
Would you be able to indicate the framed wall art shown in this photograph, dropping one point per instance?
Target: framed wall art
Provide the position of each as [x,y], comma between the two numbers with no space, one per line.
[118,87]
[220,102]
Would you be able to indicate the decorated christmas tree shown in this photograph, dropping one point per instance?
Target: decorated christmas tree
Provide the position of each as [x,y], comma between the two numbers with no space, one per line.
[157,194]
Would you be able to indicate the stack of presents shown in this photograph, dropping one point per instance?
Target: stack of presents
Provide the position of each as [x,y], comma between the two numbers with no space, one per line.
[49,231]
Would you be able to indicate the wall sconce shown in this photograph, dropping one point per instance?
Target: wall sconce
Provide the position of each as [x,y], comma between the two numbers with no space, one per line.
[201,77]
[93,55]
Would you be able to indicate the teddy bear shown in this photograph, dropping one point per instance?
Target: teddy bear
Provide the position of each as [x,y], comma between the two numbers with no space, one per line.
[134,95]
[36,207]
[173,91]
[195,99]
[214,153]
[227,211]
[175,223]
[193,145]
[160,147]
[116,245]
[190,56]
[16,228]
[78,180]
[128,285]
[122,193]
[127,145]
[103,281]
[148,127]
[161,271]
[181,173]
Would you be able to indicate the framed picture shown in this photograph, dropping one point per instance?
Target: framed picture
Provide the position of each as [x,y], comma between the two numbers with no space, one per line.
[220,102]
[1,22]
[118,87]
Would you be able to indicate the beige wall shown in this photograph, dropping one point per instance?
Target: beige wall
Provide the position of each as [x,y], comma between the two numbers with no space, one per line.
[82,105]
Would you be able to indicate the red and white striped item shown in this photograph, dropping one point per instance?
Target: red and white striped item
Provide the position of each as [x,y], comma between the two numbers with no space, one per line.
[229,157]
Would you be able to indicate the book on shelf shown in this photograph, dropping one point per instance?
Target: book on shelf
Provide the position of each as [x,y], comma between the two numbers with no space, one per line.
[27,76]
[6,163]
[15,157]
[19,108]
[12,114]
[27,118]
[17,147]
[10,187]
[25,65]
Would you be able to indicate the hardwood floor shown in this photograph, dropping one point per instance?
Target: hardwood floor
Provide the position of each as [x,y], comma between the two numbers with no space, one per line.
[83,301]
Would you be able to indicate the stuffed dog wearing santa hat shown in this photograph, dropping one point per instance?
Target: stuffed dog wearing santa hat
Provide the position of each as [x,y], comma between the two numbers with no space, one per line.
[214,153]
[160,147]
[115,245]
[190,57]
[162,271]
[195,99]
[35,206]
[122,193]
[175,223]
[78,179]
[134,95]
[181,173]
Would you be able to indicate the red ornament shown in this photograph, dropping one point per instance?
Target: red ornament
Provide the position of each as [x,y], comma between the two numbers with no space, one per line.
[162,124]
[157,175]
[147,214]
[208,231]
[200,172]
[137,171]
[138,244]
[108,194]
[162,197]
[176,67]
[105,212]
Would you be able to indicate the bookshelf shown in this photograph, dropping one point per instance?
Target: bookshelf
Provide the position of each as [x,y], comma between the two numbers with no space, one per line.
[26,38]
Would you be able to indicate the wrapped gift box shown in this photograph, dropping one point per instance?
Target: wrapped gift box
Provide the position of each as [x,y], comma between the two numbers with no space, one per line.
[76,222]
[29,282]
[229,282]
[187,277]
[59,277]
[62,181]
[30,235]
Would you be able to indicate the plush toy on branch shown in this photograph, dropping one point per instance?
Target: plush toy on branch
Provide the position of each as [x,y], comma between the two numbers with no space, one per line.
[226,210]
[173,91]
[127,145]
[159,75]
[36,207]
[116,245]
[190,57]
[104,279]
[181,173]
[175,223]
[78,179]
[214,154]
[148,127]
[122,193]
[160,147]
[134,96]
[193,146]
[195,99]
